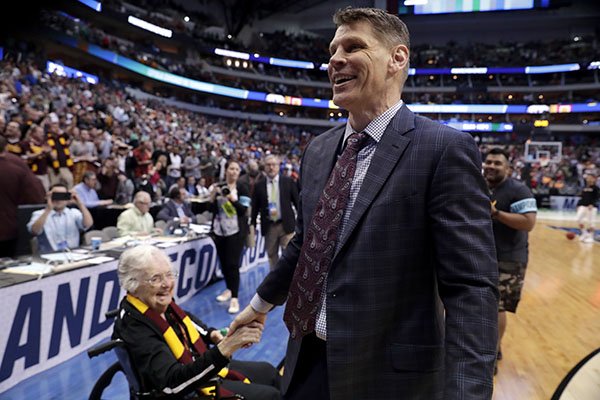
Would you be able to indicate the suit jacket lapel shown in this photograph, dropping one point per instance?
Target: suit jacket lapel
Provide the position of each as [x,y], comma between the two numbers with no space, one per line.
[388,152]
[327,159]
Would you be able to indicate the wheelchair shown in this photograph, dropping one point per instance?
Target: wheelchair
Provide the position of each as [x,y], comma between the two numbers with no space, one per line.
[124,365]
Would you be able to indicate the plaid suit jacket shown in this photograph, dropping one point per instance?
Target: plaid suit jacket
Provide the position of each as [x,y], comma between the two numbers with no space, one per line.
[412,295]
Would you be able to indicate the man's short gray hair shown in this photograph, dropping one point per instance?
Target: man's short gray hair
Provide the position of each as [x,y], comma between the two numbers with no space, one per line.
[269,156]
[133,262]
[387,27]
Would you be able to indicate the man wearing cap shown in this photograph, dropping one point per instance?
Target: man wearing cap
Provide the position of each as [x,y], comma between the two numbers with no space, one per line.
[123,160]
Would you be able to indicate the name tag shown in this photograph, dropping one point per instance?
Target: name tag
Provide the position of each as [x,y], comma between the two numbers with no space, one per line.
[273,211]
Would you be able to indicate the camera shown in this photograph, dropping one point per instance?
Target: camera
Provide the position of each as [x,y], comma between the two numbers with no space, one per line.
[224,189]
[57,196]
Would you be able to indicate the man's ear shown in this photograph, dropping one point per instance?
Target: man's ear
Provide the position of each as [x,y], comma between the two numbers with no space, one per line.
[400,58]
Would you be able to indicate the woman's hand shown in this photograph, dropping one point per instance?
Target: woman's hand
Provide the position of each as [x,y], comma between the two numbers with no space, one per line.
[214,190]
[243,336]
[232,196]
[216,336]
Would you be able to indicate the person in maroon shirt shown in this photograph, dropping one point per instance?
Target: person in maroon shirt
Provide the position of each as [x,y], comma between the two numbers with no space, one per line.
[38,154]
[108,179]
[19,186]
[143,158]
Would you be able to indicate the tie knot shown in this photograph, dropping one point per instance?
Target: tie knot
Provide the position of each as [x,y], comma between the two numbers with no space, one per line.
[357,141]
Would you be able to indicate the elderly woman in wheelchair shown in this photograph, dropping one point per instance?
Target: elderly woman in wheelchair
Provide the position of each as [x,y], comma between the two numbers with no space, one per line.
[174,353]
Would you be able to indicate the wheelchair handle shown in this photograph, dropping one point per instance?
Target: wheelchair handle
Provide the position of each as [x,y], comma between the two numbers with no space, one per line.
[104,347]
[111,313]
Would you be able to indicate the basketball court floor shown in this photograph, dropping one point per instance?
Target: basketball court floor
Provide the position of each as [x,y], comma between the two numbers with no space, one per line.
[556,327]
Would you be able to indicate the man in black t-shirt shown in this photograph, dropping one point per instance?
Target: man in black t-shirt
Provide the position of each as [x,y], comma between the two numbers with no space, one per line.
[513,210]
[587,208]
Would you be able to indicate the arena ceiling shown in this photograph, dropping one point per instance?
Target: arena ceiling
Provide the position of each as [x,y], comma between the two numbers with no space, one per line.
[235,14]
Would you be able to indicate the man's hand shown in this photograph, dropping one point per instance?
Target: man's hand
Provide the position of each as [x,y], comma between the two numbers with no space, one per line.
[246,317]
[493,207]
[49,204]
[245,336]
[75,198]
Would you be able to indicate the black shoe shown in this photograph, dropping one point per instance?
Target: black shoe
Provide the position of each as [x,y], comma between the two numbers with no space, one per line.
[499,355]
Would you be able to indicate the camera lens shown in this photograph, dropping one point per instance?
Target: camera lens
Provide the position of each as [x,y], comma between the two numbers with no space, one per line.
[225,191]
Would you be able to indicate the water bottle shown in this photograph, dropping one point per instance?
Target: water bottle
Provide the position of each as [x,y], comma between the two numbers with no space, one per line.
[174,226]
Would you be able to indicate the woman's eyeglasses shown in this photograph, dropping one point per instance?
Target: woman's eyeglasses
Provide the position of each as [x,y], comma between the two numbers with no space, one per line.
[158,279]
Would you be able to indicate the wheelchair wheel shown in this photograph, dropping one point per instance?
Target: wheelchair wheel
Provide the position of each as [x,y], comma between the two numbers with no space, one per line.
[104,381]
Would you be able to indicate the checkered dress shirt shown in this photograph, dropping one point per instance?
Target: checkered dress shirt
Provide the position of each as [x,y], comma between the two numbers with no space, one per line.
[375,130]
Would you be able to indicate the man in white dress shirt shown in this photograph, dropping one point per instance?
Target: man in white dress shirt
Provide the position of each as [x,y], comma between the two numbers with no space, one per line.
[57,226]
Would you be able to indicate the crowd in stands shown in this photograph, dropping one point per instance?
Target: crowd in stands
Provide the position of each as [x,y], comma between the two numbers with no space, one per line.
[143,140]
[105,146]
[109,146]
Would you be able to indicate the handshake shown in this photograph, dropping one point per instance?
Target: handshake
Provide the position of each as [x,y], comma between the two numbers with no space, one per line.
[245,330]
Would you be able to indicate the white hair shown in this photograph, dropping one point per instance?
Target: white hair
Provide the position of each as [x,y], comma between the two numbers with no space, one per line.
[141,195]
[275,156]
[133,262]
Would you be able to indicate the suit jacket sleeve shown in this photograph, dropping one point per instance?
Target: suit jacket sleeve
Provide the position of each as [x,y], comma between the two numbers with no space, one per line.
[187,209]
[466,269]
[165,213]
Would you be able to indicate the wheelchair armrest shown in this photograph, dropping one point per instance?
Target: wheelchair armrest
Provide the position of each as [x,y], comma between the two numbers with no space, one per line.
[104,347]
[112,313]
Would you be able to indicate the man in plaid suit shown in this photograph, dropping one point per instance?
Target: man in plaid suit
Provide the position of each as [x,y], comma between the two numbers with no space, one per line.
[409,305]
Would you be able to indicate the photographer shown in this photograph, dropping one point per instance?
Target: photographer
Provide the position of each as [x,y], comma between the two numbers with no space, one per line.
[58,226]
[229,202]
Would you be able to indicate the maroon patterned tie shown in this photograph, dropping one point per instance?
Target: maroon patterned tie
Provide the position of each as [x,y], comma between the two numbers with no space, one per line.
[304,297]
